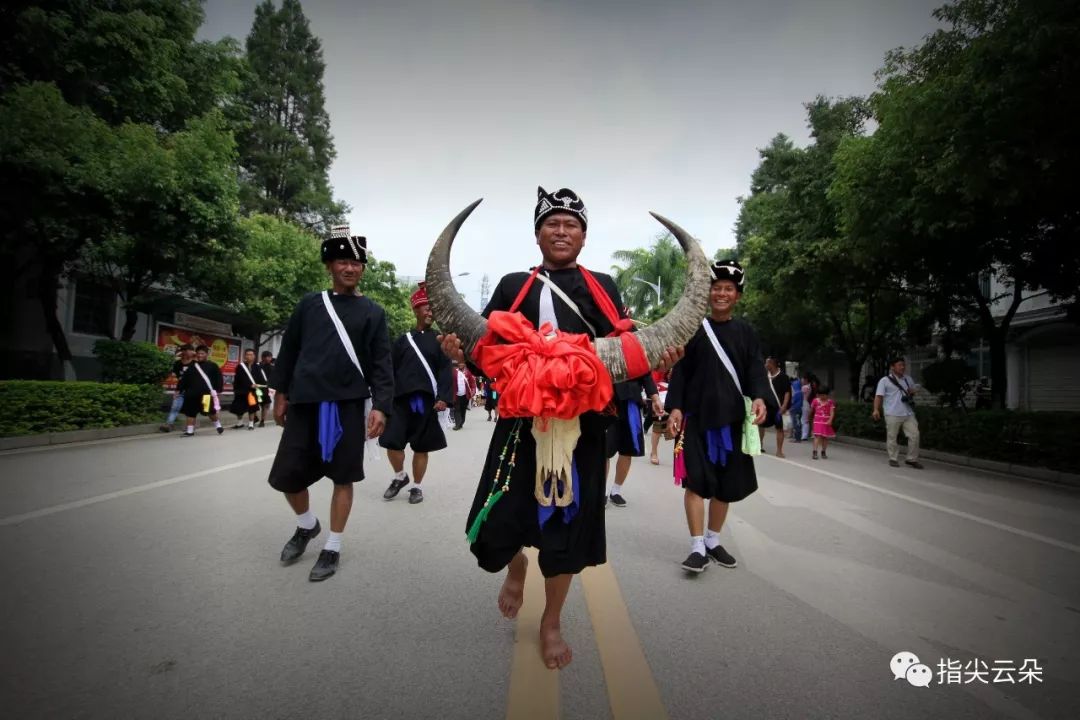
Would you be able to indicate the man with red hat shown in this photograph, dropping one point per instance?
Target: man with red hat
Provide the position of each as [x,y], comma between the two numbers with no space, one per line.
[422,390]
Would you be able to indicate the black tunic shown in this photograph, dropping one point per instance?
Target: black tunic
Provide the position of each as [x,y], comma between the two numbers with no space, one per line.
[421,431]
[313,365]
[703,390]
[513,522]
[242,387]
[620,437]
[194,387]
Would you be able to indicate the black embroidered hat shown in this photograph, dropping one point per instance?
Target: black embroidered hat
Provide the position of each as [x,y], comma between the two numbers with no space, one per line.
[560,201]
[729,270]
[342,246]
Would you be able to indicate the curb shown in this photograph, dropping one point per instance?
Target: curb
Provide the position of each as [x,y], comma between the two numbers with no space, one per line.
[76,436]
[1058,477]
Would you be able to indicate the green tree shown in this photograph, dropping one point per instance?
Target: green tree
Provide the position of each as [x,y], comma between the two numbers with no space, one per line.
[381,284]
[663,264]
[173,203]
[970,170]
[285,144]
[52,158]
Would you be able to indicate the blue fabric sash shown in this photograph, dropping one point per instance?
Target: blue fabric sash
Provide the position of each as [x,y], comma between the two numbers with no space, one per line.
[633,416]
[330,431]
[416,403]
[719,442]
[544,513]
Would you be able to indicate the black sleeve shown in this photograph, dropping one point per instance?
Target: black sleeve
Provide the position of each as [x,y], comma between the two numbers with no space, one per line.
[676,392]
[500,299]
[216,378]
[443,371]
[184,381]
[290,351]
[381,375]
[648,385]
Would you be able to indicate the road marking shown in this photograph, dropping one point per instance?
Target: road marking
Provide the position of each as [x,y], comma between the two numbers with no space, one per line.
[632,691]
[940,508]
[534,689]
[74,505]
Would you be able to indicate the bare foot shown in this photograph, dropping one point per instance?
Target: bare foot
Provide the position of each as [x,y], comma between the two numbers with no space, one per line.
[512,593]
[780,455]
[553,648]
[654,460]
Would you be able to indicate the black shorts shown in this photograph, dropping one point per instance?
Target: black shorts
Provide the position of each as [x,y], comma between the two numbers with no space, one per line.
[619,440]
[298,463]
[731,482]
[193,405]
[422,432]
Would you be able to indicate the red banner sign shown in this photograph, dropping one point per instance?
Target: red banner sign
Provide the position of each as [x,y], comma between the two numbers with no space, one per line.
[225,351]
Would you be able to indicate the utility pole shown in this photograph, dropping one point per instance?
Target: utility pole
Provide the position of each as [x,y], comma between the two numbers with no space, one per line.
[485,291]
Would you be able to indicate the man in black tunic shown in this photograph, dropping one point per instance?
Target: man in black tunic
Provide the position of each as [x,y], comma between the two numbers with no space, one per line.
[568,540]
[335,355]
[707,406]
[626,436]
[266,366]
[201,386]
[246,391]
[422,391]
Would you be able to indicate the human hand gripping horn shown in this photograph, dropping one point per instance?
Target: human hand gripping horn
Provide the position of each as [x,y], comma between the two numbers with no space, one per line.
[675,329]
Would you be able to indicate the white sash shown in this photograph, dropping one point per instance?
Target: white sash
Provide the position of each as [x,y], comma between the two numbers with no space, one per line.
[345,340]
[424,362]
[549,283]
[213,392]
[248,373]
[723,355]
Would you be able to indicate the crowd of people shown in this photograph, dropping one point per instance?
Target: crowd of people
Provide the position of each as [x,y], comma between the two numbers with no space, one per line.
[533,358]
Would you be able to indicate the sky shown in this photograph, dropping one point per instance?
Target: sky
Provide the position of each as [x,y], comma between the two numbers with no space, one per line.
[657,106]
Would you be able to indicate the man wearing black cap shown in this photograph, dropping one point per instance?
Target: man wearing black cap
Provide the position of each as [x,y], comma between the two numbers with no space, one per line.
[706,404]
[507,513]
[334,364]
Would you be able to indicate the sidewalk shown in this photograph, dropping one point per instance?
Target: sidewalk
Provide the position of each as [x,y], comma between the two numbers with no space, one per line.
[77,436]
[1022,471]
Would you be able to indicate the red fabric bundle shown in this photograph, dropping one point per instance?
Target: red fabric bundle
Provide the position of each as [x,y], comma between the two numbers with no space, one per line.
[557,377]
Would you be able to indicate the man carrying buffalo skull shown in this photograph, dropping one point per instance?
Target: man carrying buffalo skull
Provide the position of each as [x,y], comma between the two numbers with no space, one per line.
[556,339]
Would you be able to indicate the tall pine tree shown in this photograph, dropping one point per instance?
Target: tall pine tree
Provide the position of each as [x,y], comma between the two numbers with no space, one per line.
[284,143]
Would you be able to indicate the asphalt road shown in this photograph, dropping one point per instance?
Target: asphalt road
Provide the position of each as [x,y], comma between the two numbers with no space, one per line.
[141,580]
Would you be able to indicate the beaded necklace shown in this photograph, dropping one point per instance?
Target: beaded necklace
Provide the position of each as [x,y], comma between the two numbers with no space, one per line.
[496,491]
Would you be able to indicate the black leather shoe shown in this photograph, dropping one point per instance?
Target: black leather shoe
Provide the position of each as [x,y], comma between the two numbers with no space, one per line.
[325,566]
[220,429]
[298,543]
[416,495]
[395,488]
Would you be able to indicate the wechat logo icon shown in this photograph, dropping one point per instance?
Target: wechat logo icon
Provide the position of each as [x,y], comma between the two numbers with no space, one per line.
[906,666]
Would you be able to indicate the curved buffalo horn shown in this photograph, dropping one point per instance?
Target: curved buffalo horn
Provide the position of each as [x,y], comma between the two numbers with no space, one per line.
[450,310]
[676,328]
[679,325]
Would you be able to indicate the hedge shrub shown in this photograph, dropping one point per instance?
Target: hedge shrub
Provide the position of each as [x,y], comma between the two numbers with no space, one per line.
[34,406]
[135,363]
[1046,439]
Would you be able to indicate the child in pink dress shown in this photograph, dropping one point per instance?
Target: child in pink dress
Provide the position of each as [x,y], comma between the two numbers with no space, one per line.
[824,409]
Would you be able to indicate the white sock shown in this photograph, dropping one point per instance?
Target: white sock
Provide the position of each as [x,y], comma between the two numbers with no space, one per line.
[400,475]
[189,430]
[306,521]
[251,423]
[616,489]
[333,542]
[697,544]
[217,423]
[712,539]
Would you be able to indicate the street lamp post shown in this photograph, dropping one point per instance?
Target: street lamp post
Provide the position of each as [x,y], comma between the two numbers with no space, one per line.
[654,286]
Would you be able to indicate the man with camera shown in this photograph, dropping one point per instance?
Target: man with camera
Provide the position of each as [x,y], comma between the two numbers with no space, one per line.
[896,391]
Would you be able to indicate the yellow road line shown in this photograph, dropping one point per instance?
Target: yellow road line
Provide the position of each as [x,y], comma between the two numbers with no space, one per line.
[534,690]
[632,691]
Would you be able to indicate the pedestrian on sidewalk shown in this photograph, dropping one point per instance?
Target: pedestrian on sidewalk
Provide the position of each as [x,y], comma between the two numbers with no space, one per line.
[201,386]
[780,392]
[335,387]
[422,388]
[896,395]
[626,436]
[245,392]
[824,409]
[543,480]
[491,399]
[708,404]
[266,367]
[809,392]
[464,388]
[796,410]
[184,357]
[658,417]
